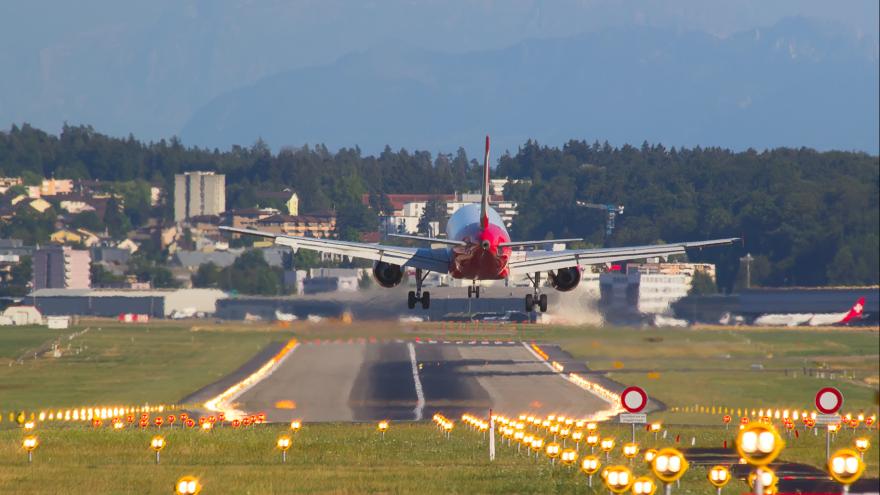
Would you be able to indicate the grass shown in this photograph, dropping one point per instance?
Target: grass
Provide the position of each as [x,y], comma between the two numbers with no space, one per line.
[325,458]
[123,364]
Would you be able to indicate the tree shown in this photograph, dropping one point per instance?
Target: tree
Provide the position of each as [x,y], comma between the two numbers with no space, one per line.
[101,277]
[208,275]
[702,284]
[19,281]
[435,211]
[250,274]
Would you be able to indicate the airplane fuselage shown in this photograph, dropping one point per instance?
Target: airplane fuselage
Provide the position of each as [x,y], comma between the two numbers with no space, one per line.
[481,258]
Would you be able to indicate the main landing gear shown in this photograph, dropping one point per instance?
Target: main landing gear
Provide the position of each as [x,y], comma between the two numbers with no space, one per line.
[418,296]
[536,299]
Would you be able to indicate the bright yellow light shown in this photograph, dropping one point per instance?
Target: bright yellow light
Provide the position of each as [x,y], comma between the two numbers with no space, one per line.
[644,486]
[29,426]
[295,425]
[284,442]
[383,425]
[590,465]
[577,435]
[669,465]
[607,444]
[862,444]
[157,443]
[618,479]
[568,456]
[719,476]
[188,485]
[30,443]
[552,450]
[656,427]
[650,454]
[846,466]
[630,450]
[207,426]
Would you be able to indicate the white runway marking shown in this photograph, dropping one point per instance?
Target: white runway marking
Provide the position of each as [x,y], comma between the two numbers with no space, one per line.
[420,394]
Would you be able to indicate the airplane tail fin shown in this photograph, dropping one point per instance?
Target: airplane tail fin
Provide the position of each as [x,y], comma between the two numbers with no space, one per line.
[855,313]
[484,207]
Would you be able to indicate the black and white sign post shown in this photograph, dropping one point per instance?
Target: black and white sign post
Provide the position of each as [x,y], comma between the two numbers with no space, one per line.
[634,400]
[829,400]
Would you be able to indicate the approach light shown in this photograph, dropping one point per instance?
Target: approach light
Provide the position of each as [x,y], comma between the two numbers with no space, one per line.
[846,466]
[669,465]
[759,444]
[188,485]
[644,486]
[618,479]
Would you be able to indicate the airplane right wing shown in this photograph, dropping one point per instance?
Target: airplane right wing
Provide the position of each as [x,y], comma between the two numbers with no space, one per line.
[435,260]
[540,261]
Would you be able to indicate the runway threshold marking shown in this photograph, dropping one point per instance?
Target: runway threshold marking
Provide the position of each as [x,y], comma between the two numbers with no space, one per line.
[420,394]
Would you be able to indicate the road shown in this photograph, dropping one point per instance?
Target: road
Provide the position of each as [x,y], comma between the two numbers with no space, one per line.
[407,381]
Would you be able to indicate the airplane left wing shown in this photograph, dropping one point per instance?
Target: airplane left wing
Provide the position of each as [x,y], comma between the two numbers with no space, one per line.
[435,260]
[540,261]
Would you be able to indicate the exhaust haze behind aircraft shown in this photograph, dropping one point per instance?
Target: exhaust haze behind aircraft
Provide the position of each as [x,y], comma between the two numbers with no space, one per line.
[478,247]
[814,319]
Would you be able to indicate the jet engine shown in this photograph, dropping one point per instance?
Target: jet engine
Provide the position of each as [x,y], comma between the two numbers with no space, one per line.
[565,279]
[386,274]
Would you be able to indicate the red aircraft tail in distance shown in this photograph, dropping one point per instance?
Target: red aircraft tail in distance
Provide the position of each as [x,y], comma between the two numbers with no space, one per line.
[855,313]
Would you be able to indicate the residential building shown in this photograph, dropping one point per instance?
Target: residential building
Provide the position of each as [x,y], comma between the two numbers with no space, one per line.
[61,267]
[7,182]
[247,218]
[286,197]
[199,193]
[75,236]
[321,225]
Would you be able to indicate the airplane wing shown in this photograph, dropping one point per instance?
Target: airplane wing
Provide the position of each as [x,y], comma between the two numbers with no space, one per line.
[539,261]
[435,260]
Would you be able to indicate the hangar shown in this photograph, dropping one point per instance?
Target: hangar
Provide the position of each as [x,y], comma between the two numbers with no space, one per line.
[158,303]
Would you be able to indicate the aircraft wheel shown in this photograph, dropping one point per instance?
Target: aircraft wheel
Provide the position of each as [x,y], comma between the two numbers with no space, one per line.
[426,300]
[542,303]
[411,300]
[477,290]
[470,291]
[530,303]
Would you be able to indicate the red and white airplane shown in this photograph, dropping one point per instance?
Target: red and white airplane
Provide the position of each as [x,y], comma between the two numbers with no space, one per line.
[856,313]
[478,247]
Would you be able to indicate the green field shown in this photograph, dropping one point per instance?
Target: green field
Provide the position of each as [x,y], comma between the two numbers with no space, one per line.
[325,458]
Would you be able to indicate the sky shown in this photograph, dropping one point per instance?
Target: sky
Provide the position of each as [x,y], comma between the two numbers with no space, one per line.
[148,68]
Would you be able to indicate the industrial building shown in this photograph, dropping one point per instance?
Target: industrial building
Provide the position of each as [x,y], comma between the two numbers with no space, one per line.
[199,193]
[649,288]
[157,303]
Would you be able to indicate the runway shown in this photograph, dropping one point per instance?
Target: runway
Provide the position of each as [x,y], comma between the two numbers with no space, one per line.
[399,380]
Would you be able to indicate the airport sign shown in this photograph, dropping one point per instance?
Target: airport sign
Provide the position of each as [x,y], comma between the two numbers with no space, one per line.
[633,418]
[827,419]
[829,400]
[633,399]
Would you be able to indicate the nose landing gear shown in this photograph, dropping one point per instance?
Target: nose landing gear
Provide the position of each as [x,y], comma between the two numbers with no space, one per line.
[474,290]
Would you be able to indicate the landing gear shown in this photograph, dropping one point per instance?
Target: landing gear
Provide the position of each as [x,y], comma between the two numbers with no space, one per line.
[536,299]
[417,296]
[474,291]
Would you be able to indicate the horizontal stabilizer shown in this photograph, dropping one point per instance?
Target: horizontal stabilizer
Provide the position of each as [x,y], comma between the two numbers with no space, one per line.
[429,239]
[537,243]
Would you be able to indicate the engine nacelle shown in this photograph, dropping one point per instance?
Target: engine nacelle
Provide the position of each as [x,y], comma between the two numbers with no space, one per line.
[565,279]
[387,275]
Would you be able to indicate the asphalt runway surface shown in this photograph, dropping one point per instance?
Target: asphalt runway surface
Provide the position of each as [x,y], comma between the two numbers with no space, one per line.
[360,381]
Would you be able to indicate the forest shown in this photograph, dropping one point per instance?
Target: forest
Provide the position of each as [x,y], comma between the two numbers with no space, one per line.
[809,218]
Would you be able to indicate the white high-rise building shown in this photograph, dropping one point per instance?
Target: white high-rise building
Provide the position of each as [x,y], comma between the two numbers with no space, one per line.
[199,193]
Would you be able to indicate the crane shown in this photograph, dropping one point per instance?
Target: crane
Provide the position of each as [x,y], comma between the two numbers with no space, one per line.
[612,211]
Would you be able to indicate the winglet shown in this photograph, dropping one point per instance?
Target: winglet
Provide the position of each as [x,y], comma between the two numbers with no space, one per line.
[484,207]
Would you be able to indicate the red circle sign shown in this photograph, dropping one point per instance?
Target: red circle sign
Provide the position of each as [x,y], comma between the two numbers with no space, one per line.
[633,399]
[829,400]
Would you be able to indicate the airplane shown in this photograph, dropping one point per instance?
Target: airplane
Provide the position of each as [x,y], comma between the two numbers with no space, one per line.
[478,247]
[812,319]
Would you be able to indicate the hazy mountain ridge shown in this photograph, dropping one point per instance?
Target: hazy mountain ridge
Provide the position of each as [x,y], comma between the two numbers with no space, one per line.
[758,88]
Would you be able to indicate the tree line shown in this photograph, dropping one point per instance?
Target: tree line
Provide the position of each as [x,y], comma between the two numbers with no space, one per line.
[807,217]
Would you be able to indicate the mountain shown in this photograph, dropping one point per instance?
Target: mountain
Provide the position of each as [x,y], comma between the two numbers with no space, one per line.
[798,83]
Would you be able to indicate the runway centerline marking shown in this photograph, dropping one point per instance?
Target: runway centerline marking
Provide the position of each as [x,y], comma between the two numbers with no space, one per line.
[420,394]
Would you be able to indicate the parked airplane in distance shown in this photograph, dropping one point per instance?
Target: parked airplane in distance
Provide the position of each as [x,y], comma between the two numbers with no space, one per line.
[478,247]
[855,313]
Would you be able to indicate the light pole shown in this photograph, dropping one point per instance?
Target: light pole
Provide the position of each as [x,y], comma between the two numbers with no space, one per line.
[590,465]
[30,443]
[719,476]
[157,443]
[669,465]
[382,427]
[846,467]
[284,442]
